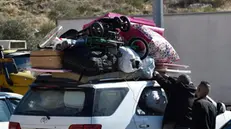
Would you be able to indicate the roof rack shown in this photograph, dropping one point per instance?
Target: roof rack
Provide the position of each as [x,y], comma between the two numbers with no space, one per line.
[47,78]
[121,80]
[18,50]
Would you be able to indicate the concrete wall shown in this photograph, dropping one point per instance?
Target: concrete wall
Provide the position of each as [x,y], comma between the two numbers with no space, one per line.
[203,41]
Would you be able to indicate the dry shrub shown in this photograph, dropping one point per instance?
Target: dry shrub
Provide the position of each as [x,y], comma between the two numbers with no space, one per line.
[46,28]
[76,8]
[219,3]
[14,29]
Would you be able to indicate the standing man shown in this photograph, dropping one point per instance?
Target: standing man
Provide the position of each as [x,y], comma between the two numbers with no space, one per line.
[204,112]
[181,95]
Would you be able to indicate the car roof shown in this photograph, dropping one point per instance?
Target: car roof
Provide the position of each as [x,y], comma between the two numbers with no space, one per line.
[116,84]
[47,79]
[10,95]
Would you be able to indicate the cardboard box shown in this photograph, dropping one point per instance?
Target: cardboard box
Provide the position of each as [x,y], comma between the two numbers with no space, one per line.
[46,59]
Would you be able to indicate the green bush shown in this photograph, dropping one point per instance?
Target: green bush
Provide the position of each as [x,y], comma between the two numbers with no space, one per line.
[14,29]
[62,9]
[74,8]
[215,3]
[45,28]
[218,3]
[136,3]
[32,42]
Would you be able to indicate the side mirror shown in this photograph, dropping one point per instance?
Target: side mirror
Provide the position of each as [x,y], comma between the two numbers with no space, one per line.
[221,108]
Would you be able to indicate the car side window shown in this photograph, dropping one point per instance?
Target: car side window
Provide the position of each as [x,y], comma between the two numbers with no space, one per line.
[152,102]
[14,102]
[4,111]
[227,125]
[108,100]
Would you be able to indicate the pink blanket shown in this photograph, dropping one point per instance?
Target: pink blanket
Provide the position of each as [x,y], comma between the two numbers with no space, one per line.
[159,47]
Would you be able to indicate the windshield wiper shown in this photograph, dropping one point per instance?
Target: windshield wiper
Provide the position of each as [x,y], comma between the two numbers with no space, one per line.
[38,112]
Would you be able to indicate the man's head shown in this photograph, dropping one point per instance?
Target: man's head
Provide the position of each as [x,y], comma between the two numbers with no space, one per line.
[185,79]
[203,89]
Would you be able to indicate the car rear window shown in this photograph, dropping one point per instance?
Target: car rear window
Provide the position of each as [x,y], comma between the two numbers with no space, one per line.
[4,111]
[56,102]
[71,102]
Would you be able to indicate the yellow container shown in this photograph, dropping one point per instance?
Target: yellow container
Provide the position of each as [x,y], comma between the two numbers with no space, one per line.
[21,81]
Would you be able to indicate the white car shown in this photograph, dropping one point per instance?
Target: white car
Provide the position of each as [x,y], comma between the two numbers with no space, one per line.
[8,102]
[110,104]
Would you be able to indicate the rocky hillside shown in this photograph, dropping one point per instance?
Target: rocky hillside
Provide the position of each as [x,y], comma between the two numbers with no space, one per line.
[24,16]
[37,12]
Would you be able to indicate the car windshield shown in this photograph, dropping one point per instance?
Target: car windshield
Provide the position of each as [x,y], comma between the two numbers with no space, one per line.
[74,102]
[22,63]
[4,111]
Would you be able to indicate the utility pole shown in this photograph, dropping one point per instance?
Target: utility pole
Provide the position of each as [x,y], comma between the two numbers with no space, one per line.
[158,12]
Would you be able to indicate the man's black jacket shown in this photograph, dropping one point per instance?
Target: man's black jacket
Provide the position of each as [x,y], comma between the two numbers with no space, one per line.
[204,114]
[180,101]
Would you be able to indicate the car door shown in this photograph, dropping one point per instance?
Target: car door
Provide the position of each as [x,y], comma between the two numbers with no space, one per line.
[5,114]
[223,118]
[150,108]
[223,115]
[227,125]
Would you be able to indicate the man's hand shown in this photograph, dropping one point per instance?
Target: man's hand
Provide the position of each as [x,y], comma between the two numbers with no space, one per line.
[156,73]
[165,75]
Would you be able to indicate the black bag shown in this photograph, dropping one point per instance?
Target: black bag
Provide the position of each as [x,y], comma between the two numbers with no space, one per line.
[89,62]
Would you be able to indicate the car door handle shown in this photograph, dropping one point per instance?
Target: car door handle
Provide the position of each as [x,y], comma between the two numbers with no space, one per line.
[144,126]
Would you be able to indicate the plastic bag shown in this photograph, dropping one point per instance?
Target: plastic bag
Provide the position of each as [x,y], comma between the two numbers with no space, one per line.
[129,61]
[148,66]
[156,101]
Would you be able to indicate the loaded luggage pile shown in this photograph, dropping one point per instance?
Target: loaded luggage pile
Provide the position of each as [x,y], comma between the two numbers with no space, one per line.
[112,46]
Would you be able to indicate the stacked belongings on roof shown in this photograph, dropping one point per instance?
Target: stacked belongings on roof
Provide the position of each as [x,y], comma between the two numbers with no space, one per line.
[148,41]
[112,46]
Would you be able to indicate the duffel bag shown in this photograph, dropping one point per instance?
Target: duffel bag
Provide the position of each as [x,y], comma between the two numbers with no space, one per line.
[89,62]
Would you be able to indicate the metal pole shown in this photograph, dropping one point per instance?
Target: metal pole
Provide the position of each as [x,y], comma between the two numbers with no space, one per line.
[158,12]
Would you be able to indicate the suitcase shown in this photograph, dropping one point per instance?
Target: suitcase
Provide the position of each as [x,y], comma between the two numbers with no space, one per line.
[46,59]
